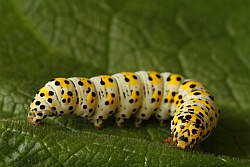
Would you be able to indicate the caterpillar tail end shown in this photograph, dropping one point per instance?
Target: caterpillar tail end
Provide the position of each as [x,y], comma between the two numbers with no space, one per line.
[31,118]
[35,117]
[32,121]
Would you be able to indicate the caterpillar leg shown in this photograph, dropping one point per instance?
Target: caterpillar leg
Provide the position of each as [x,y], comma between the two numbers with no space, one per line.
[173,143]
[138,122]
[169,140]
[163,122]
[98,123]
[119,122]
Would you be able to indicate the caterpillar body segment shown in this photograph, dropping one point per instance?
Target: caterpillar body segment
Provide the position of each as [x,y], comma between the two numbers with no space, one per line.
[130,96]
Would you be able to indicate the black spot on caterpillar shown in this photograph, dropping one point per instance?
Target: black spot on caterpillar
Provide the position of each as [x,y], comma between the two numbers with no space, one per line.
[193,109]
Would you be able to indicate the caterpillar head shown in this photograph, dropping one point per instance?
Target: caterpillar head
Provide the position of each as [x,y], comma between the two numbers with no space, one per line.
[187,130]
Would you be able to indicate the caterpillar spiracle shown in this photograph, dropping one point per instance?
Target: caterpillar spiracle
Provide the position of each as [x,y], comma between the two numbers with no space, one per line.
[192,108]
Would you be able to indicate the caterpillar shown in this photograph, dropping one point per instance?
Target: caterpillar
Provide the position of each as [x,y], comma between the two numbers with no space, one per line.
[166,95]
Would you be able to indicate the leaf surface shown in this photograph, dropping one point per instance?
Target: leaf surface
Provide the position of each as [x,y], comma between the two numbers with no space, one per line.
[40,40]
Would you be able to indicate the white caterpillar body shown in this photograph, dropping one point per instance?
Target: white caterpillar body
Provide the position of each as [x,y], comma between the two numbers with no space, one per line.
[142,94]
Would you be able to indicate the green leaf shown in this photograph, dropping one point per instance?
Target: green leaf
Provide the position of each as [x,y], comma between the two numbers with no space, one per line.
[42,39]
